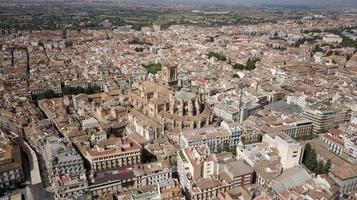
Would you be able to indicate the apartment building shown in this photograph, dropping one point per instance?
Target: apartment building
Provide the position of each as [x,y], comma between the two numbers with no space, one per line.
[290,151]
[11,172]
[334,140]
[65,168]
[326,115]
[341,143]
[226,112]
[346,178]
[111,153]
[204,175]
[223,137]
[122,178]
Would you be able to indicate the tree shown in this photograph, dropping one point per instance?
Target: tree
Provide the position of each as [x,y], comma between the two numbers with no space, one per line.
[309,158]
[152,67]
[45,95]
[276,34]
[319,167]
[92,89]
[317,48]
[238,66]
[219,56]
[233,150]
[148,157]
[310,161]
[139,49]
[139,42]
[306,152]
[235,76]
[327,166]
[249,65]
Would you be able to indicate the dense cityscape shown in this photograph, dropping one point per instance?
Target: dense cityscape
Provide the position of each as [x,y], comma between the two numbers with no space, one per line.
[198,106]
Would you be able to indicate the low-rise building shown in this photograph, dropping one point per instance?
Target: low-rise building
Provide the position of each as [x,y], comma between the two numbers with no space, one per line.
[331,38]
[320,187]
[341,143]
[323,153]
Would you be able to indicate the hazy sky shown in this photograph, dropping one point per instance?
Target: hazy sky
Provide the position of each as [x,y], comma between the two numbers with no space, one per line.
[322,3]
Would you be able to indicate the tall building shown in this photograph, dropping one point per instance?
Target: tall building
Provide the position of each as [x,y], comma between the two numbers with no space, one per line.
[290,151]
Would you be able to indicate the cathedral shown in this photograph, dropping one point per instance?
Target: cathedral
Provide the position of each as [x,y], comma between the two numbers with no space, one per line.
[172,102]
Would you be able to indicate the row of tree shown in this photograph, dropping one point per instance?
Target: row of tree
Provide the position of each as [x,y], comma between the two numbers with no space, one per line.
[139,42]
[139,49]
[226,148]
[311,162]
[152,67]
[219,56]
[346,41]
[92,89]
[250,64]
[67,90]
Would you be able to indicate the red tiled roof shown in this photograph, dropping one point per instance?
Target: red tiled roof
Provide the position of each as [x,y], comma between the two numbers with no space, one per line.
[335,131]
[199,80]
[333,139]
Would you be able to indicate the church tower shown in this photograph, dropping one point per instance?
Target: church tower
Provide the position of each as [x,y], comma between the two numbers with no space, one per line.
[169,75]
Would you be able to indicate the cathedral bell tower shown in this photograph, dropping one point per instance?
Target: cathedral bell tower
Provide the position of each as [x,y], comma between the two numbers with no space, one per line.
[169,75]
